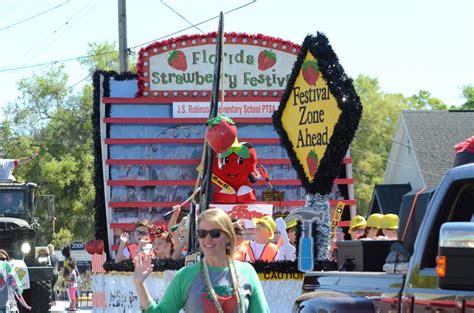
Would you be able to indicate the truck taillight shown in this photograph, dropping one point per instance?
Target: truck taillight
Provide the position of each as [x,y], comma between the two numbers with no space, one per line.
[441,266]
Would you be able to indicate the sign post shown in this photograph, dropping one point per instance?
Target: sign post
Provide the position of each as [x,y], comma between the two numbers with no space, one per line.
[317,119]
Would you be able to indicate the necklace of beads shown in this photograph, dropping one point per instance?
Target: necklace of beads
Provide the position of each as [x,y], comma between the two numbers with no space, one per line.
[235,283]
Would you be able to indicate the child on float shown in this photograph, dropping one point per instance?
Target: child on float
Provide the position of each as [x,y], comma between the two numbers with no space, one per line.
[373,229]
[127,250]
[389,226]
[161,240]
[241,244]
[261,249]
[287,240]
[357,227]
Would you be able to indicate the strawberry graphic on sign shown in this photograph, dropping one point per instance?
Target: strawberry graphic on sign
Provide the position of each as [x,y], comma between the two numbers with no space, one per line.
[266,59]
[312,161]
[310,72]
[177,60]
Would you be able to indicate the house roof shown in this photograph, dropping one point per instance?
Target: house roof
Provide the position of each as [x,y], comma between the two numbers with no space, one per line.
[433,135]
[388,198]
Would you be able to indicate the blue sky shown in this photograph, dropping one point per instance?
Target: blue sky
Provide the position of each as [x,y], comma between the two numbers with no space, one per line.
[407,44]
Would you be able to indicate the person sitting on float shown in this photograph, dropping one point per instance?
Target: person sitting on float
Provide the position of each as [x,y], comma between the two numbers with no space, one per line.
[8,165]
[261,249]
[291,230]
[373,229]
[389,226]
[127,250]
[287,240]
[161,240]
[241,244]
[179,238]
[217,283]
[357,227]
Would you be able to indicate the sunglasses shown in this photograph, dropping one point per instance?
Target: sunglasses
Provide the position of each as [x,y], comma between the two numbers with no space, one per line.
[141,233]
[214,233]
[3,259]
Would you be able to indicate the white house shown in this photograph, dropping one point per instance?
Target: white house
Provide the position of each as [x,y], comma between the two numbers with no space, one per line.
[423,146]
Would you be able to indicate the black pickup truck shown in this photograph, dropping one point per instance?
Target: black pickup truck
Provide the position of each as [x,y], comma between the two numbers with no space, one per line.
[414,282]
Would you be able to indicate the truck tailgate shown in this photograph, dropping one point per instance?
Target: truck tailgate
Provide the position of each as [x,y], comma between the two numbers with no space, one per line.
[363,283]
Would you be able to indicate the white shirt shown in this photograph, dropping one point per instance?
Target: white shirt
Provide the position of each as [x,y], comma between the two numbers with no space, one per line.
[6,168]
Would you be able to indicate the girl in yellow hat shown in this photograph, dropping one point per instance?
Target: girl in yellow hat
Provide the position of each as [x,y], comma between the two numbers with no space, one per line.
[389,225]
[373,226]
[357,227]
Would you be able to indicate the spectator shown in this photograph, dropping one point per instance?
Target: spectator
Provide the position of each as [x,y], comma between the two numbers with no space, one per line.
[217,283]
[10,284]
[53,259]
[72,285]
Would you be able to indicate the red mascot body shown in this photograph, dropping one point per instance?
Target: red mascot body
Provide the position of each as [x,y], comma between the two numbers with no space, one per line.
[238,170]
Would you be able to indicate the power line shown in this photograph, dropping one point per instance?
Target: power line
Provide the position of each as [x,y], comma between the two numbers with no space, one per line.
[402,144]
[22,67]
[44,44]
[182,17]
[78,82]
[34,16]
[11,8]
[394,162]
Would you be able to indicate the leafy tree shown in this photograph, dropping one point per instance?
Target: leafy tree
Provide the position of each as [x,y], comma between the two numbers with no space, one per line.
[424,101]
[371,146]
[468,93]
[62,238]
[105,56]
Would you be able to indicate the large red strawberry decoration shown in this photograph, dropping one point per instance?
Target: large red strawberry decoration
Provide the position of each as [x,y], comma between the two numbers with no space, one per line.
[266,59]
[221,133]
[99,246]
[310,72]
[90,247]
[312,161]
[177,60]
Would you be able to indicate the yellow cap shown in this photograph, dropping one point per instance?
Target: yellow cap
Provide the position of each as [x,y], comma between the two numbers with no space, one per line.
[357,221]
[374,220]
[291,223]
[268,221]
[389,221]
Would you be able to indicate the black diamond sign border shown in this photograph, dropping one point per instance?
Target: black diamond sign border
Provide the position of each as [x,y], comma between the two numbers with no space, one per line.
[341,87]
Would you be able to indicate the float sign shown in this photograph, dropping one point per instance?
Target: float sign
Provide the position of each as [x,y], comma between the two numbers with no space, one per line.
[318,115]
[254,65]
[310,115]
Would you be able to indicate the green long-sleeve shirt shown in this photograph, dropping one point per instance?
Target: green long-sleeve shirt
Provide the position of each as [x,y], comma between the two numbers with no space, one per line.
[187,290]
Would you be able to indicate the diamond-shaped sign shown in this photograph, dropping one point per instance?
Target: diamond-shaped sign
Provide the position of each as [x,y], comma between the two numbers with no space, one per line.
[318,115]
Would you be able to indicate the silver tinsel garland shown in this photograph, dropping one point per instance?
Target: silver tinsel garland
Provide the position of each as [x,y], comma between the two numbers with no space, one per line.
[322,227]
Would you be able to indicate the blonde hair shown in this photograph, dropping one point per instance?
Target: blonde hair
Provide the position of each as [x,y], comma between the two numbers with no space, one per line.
[222,220]
[50,248]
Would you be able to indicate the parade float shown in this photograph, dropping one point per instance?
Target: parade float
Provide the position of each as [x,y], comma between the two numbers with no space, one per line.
[150,130]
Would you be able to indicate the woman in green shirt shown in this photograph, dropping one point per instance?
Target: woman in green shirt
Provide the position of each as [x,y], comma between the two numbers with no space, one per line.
[215,284]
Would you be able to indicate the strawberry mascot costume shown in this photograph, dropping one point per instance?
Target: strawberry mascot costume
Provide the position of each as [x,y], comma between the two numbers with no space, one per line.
[235,166]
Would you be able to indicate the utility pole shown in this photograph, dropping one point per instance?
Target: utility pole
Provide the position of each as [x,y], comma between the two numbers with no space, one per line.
[122,28]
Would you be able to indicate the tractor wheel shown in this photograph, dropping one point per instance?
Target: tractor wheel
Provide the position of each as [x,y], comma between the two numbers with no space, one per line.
[38,297]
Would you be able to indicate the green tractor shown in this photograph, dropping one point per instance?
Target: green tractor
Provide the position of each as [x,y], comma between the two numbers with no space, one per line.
[17,237]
